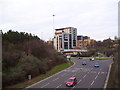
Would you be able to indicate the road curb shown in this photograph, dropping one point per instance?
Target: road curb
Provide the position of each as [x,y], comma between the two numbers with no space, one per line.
[50,76]
[106,81]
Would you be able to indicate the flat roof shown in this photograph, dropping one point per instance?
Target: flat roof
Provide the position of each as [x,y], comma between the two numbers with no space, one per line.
[63,28]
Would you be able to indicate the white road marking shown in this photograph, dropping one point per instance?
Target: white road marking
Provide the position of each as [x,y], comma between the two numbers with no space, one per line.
[98,73]
[73,70]
[79,81]
[89,72]
[55,79]
[91,68]
[45,85]
[96,77]
[92,83]
[74,74]
[59,86]
[63,75]
[102,72]
[93,71]
[84,76]
[73,87]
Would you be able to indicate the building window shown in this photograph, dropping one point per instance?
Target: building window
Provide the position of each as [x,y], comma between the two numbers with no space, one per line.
[74,42]
[65,45]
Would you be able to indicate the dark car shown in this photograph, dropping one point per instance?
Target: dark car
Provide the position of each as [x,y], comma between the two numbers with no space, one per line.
[84,63]
[80,58]
[71,81]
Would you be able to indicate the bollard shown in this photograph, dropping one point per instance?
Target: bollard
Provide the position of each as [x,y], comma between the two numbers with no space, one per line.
[29,77]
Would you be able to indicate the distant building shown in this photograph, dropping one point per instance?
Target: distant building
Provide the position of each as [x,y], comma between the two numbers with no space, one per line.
[50,42]
[80,37]
[84,41]
[65,38]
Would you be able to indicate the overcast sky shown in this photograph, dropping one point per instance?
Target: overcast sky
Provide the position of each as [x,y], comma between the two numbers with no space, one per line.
[95,18]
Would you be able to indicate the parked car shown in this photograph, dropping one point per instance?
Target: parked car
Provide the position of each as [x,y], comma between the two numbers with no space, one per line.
[96,65]
[71,81]
[80,58]
[91,59]
[84,63]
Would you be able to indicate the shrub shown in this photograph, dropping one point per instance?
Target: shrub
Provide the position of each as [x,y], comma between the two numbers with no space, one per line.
[27,65]
[24,54]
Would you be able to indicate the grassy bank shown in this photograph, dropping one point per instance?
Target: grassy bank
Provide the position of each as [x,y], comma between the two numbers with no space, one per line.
[103,59]
[113,81]
[41,77]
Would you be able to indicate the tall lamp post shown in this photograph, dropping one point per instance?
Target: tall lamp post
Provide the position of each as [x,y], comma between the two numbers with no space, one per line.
[1,59]
[53,24]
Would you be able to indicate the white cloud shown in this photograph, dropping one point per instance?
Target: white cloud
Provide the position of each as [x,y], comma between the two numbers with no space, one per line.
[90,17]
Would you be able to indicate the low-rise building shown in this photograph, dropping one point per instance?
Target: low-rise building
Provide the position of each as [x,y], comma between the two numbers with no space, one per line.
[50,42]
[84,41]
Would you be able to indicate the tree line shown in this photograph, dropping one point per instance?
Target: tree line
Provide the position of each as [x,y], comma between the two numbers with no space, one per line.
[106,48]
[26,54]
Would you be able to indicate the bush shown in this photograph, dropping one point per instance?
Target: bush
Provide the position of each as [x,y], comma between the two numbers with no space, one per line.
[14,76]
[10,58]
[24,54]
[27,65]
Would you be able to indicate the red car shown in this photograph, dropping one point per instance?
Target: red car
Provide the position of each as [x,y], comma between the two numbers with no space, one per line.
[71,81]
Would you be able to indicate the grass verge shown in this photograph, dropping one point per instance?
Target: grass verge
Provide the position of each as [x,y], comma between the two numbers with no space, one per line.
[113,81]
[43,76]
[102,58]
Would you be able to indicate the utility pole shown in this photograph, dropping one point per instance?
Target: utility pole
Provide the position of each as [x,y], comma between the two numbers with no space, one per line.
[1,58]
[53,24]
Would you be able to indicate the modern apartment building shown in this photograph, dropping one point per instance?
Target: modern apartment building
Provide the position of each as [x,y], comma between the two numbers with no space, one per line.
[84,41]
[65,38]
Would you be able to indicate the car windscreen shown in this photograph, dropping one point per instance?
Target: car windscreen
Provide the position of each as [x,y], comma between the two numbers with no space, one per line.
[70,80]
[96,64]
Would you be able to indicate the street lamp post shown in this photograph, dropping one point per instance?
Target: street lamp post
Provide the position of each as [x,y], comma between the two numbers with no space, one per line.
[53,25]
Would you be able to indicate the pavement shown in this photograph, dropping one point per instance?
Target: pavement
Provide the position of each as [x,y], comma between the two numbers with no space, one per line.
[88,77]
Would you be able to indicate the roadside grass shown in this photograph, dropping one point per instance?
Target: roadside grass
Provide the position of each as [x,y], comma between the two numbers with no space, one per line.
[103,58]
[43,76]
[113,81]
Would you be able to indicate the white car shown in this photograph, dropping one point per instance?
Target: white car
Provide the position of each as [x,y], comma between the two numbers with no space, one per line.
[92,59]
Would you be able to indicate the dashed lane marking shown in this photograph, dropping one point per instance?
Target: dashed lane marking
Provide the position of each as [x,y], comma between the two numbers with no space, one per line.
[84,76]
[55,79]
[93,72]
[96,77]
[92,83]
[91,68]
[103,72]
[98,73]
[73,87]
[45,85]
[59,86]
[79,81]
[78,69]
[63,75]
[74,75]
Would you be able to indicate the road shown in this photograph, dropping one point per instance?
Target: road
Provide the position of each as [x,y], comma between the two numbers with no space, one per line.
[87,76]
